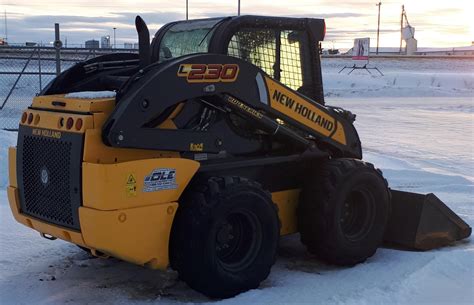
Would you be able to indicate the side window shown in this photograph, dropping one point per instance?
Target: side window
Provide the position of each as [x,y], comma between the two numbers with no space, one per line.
[179,43]
[275,52]
[290,60]
[187,37]
[257,46]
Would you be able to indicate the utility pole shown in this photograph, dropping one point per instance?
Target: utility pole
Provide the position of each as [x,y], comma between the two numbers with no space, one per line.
[57,45]
[187,8]
[6,27]
[378,28]
[115,46]
[238,8]
[401,28]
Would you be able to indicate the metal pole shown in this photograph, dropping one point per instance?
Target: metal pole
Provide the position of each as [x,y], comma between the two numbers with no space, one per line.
[238,9]
[57,45]
[401,29]
[115,46]
[378,28]
[39,69]
[187,7]
[6,27]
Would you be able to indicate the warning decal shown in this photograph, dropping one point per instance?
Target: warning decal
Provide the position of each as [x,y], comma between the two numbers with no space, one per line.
[131,186]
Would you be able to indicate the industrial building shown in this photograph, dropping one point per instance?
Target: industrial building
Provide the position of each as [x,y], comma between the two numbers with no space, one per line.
[92,44]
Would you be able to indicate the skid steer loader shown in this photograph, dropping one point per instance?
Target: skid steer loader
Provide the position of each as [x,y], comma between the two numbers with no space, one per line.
[202,150]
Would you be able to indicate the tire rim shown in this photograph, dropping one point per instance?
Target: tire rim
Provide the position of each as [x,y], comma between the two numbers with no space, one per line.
[238,240]
[357,214]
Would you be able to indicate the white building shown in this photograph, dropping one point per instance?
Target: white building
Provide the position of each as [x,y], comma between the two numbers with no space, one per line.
[105,42]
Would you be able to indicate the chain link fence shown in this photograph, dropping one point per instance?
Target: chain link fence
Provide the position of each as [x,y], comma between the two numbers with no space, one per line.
[25,71]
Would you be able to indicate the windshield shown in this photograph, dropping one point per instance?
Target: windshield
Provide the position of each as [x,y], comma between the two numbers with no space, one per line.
[187,37]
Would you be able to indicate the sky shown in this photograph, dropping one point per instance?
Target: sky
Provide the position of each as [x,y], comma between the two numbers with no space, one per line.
[438,23]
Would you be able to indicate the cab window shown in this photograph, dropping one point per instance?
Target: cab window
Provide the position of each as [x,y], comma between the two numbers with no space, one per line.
[187,37]
[277,52]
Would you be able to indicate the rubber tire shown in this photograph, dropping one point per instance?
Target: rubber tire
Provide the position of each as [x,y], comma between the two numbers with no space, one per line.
[193,238]
[321,204]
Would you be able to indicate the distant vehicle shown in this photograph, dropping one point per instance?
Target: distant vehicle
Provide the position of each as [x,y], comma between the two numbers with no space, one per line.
[3,42]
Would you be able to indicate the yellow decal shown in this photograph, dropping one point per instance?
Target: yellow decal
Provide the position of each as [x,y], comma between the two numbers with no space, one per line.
[303,111]
[244,107]
[209,73]
[46,133]
[131,186]
[196,146]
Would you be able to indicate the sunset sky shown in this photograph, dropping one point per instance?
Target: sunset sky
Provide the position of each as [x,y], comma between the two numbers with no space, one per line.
[438,23]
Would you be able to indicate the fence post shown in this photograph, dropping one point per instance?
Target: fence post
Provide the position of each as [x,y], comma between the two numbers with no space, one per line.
[39,69]
[57,45]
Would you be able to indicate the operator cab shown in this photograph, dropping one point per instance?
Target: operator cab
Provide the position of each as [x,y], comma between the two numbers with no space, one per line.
[285,48]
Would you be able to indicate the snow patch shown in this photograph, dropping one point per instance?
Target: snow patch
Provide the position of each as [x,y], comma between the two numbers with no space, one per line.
[91,94]
[400,84]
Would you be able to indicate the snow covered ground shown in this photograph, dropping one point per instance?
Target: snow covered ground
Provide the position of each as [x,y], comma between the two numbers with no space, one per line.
[404,77]
[422,143]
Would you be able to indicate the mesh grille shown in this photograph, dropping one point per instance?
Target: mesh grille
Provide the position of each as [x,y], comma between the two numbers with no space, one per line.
[259,47]
[46,179]
[291,73]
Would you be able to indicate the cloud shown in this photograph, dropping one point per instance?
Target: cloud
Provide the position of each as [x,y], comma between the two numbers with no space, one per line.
[22,27]
[81,28]
[81,20]
[330,15]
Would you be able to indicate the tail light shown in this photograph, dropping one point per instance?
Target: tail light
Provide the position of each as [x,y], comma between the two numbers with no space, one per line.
[78,124]
[324,31]
[69,123]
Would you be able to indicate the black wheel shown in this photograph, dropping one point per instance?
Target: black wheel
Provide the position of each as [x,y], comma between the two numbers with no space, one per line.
[225,236]
[343,211]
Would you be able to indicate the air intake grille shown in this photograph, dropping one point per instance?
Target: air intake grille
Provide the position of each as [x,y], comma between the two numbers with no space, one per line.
[46,179]
[50,177]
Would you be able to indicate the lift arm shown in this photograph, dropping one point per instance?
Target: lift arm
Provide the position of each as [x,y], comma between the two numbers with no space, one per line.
[160,87]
